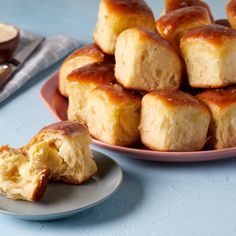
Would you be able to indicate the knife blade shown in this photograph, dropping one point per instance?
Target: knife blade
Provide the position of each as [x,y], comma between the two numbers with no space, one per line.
[7,70]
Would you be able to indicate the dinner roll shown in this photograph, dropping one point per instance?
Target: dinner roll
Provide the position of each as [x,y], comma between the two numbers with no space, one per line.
[117,15]
[145,61]
[173,121]
[19,177]
[82,56]
[210,54]
[114,115]
[63,148]
[81,82]
[172,5]
[222,104]
[231,13]
[175,24]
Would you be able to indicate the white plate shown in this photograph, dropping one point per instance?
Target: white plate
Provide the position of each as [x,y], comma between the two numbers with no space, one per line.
[62,200]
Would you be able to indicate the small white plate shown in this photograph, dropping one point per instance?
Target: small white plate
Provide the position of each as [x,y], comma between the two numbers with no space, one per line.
[62,200]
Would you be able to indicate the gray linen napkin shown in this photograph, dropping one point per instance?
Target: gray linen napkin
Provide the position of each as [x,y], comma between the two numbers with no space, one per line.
[50,51]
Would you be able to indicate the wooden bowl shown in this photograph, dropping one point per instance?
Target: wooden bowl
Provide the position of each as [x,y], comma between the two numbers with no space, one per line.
[9,39]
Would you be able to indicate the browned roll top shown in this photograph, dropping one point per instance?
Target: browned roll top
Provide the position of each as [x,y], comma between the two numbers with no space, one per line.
[131,7]
[213,33]
[170,22]
[68,128]
[219,97]
[177,98]
[98,71]
[172,5]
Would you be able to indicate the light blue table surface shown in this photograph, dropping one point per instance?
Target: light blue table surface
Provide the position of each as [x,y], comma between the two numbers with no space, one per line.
[155,198]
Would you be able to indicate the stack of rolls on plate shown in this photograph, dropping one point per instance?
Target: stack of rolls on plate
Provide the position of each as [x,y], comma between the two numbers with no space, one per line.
[167,83]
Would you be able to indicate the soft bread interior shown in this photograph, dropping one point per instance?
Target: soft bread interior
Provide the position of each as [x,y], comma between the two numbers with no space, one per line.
[19,178]
[68,159]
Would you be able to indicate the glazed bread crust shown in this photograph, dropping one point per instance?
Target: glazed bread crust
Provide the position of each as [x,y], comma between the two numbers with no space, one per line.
[222,104]
[175,24]
[94,72]
[85,55]
[116,16]
[231,13]
[145,61]
[81,82]
[172,5]
[131,7]
[214,34]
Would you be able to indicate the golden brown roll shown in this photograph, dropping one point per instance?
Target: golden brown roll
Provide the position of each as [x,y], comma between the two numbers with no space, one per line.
[222,104]
[114,115]
[231,13]
[81,82]
[172,5]
[210,54]
[21,178]
[173,121]
[82,56]
[145,61]
[175,24]
[63,148]
[116,16]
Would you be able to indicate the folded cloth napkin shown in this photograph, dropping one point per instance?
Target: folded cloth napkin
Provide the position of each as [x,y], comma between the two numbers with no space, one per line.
[50,51]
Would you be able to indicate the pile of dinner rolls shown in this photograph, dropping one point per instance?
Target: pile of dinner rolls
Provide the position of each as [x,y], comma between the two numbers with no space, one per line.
[165,83]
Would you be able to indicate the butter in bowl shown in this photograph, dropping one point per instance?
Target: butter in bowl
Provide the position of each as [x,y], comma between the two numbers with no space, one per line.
[9,39]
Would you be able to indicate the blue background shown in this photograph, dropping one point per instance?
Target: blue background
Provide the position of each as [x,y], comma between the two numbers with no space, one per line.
[155,198]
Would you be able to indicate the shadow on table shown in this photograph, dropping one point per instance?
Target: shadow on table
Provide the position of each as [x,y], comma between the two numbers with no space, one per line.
[123,202]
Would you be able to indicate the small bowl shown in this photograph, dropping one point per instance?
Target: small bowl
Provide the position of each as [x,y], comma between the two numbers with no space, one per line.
[9,39]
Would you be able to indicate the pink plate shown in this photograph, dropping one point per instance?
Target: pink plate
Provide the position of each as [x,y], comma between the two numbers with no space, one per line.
[57,104]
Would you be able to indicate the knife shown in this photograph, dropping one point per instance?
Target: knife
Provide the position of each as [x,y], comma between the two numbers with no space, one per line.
[7,70]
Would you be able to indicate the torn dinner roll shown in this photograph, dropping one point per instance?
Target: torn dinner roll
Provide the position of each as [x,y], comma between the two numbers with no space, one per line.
[21,179]
[64,149]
